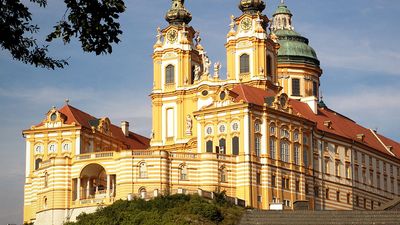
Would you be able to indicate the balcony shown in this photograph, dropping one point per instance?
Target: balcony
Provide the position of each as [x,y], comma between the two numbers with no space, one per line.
[97,155]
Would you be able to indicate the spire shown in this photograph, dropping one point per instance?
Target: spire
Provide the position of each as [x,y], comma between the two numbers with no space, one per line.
[252,6]
[178,14]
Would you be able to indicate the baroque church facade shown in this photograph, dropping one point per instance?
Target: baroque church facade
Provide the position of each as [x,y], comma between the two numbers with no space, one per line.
[261,134]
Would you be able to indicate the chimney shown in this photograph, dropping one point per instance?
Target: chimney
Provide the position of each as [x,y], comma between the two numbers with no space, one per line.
[125,128]
[312,102]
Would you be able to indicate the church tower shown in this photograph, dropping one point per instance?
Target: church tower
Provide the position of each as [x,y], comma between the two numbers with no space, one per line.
[251,53]
[178,60]
[299,69]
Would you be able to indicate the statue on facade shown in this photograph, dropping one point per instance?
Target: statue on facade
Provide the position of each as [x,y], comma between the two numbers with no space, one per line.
[206,64]
[197,70]
[189,125]
[217,68]
[159,35]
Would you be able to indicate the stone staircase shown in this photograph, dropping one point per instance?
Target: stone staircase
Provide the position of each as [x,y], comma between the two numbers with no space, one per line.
[257,217]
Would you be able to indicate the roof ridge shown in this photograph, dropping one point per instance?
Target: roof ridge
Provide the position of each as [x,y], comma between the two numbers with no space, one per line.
[380,141]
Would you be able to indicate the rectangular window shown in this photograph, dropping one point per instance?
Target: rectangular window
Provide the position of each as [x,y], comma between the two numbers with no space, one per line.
[272,148]
[235,145]
[337,169]
[327,193]
[305,156]
[209,146]
[348,198]
[297,186]
[273,181]
[356,173]
[357,201]
[316,192]
[296,155]
[285,183]
[258,178]
[315,88]
[378,181]
[348,172]
[338,196]
[327,166]
[170,122]
[295,87]
[257,143]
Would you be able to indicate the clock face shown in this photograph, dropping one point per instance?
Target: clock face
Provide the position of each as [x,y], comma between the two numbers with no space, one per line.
[246,24]
[172,35]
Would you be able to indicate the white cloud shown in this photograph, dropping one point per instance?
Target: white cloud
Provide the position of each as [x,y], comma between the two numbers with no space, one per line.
[337,48]
[372,108]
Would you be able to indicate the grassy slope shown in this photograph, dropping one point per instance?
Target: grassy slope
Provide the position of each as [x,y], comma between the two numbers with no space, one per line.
[165,210]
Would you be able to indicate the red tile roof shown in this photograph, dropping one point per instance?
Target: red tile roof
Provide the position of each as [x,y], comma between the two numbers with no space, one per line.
[340,125]
[251,94]
[133,141]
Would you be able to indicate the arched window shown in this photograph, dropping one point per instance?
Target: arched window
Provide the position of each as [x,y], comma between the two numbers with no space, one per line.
[244,63]
[170,74]
[37,163]
[222,174]
[209,146]
[142,193]
[142,170]
[183,172]
[235,145]
[269,66]
[284,151]
[222,146]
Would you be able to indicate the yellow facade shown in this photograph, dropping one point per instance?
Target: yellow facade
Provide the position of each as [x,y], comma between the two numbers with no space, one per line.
[242,135]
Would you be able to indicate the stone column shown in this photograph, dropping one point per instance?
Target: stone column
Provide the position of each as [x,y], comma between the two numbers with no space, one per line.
[108,186]
[78,189]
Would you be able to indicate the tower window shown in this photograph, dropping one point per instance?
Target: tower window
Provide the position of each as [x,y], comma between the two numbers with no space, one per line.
[244,63]
[170,74]
[269,66]
[235,145]
[295,87]
[315,88]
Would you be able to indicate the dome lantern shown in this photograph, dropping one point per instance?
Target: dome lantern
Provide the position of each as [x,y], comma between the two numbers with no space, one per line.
[178,14]
[252,6]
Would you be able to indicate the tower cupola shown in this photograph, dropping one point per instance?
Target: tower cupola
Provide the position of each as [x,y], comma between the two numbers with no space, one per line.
[252,6]
[178,14]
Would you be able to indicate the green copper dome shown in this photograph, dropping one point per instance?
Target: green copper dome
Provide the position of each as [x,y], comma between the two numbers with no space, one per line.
[294,48]
[282,9]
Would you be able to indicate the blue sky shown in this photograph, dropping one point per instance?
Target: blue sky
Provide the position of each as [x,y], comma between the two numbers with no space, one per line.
[357,42]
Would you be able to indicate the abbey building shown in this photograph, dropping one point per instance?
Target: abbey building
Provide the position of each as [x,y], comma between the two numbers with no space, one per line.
[259,132]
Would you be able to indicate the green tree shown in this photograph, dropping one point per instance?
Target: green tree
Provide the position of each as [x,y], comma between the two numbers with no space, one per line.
[93,22]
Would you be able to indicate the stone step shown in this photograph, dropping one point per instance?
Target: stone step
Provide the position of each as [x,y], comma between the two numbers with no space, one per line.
[257,217]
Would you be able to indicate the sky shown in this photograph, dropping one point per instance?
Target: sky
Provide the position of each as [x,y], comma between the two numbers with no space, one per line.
[357,42]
